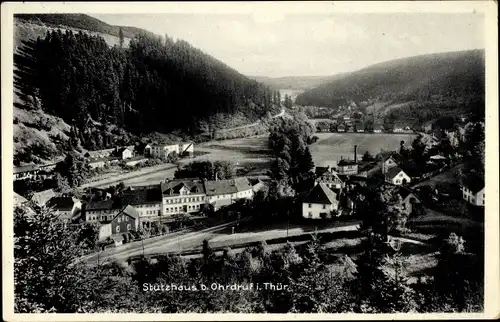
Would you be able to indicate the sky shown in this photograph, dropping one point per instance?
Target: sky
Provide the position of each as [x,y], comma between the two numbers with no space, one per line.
[313,44]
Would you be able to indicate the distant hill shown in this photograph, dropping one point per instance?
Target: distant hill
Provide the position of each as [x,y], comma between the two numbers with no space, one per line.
[73,66]
[433,84]
[295,82]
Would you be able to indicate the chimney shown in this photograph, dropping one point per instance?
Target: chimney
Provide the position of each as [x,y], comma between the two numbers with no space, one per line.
[356,153]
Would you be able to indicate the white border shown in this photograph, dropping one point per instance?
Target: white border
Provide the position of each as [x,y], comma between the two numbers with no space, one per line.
[489,8]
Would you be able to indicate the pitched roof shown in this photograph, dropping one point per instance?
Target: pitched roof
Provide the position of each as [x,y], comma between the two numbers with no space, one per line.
[42,197]
[393,172]
[405,192]
[142,196]
[173,187]
[107,204]
[18,199]
[395,156]
[130,211]
[228,186]
[321,170]
[321,194]
[62,203]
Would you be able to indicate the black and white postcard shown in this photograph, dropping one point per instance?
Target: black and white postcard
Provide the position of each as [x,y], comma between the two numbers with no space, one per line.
[250,160]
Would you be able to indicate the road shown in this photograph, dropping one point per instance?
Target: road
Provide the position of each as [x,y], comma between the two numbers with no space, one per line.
[171,242]
[130,175]
[194,240]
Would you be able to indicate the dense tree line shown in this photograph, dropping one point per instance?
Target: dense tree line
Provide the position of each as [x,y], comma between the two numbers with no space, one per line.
[293,164]
[153,85]
[48,277]
[206,170]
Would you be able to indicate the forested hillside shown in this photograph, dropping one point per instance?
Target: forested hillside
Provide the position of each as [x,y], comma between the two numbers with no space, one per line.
[156,84]
[432,85]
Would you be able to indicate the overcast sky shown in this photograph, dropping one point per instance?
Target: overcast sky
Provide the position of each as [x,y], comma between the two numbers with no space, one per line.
[312,44]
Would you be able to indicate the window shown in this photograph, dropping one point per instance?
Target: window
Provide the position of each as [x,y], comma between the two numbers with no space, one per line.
[398,181]
[324,206]
[310,214]
[128,227]
[117,229]
[119,219]
[310,205]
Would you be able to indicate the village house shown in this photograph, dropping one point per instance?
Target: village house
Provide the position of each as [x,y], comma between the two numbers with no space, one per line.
[474,194]
[329,177]
[397,176]
[341,128]
[410,202]
[42,197]
[120,225]
[101,211]
[147,202]
[26,172]
[225,192]
[320,203]
[162,151]
[99,154]
[182,196]
[66,207]
[347,167]
[322,127]
[399,127]
[390,162]
[125,153]
[378,128]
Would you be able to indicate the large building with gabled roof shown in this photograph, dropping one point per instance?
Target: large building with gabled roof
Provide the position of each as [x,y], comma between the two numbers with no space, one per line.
[320,203]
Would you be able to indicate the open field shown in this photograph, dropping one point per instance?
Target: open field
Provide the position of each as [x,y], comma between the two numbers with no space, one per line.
[252,153]
[331,146]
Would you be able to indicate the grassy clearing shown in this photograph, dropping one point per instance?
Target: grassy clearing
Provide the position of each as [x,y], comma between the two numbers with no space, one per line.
[331,146]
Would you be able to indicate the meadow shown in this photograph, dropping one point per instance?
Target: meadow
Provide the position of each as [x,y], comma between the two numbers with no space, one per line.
[330,147]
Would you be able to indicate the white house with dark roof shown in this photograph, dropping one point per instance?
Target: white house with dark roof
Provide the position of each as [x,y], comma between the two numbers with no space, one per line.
[182,196]
[225,192]
[125,153]
[474,194]
[186,149]
[397,176]
[320,203]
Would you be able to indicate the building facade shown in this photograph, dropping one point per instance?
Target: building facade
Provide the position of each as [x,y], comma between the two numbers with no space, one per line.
[65,207]
[347,167]
[225,192]
[474,196]
[182,196]
[320,203]
[397,177]
[163,151]
[147,201]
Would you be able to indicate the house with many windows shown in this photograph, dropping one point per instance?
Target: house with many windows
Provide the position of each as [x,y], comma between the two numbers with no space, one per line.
[182,196]
[225,192]
[162,151]
[320,203]
[474,194]
[347,167]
